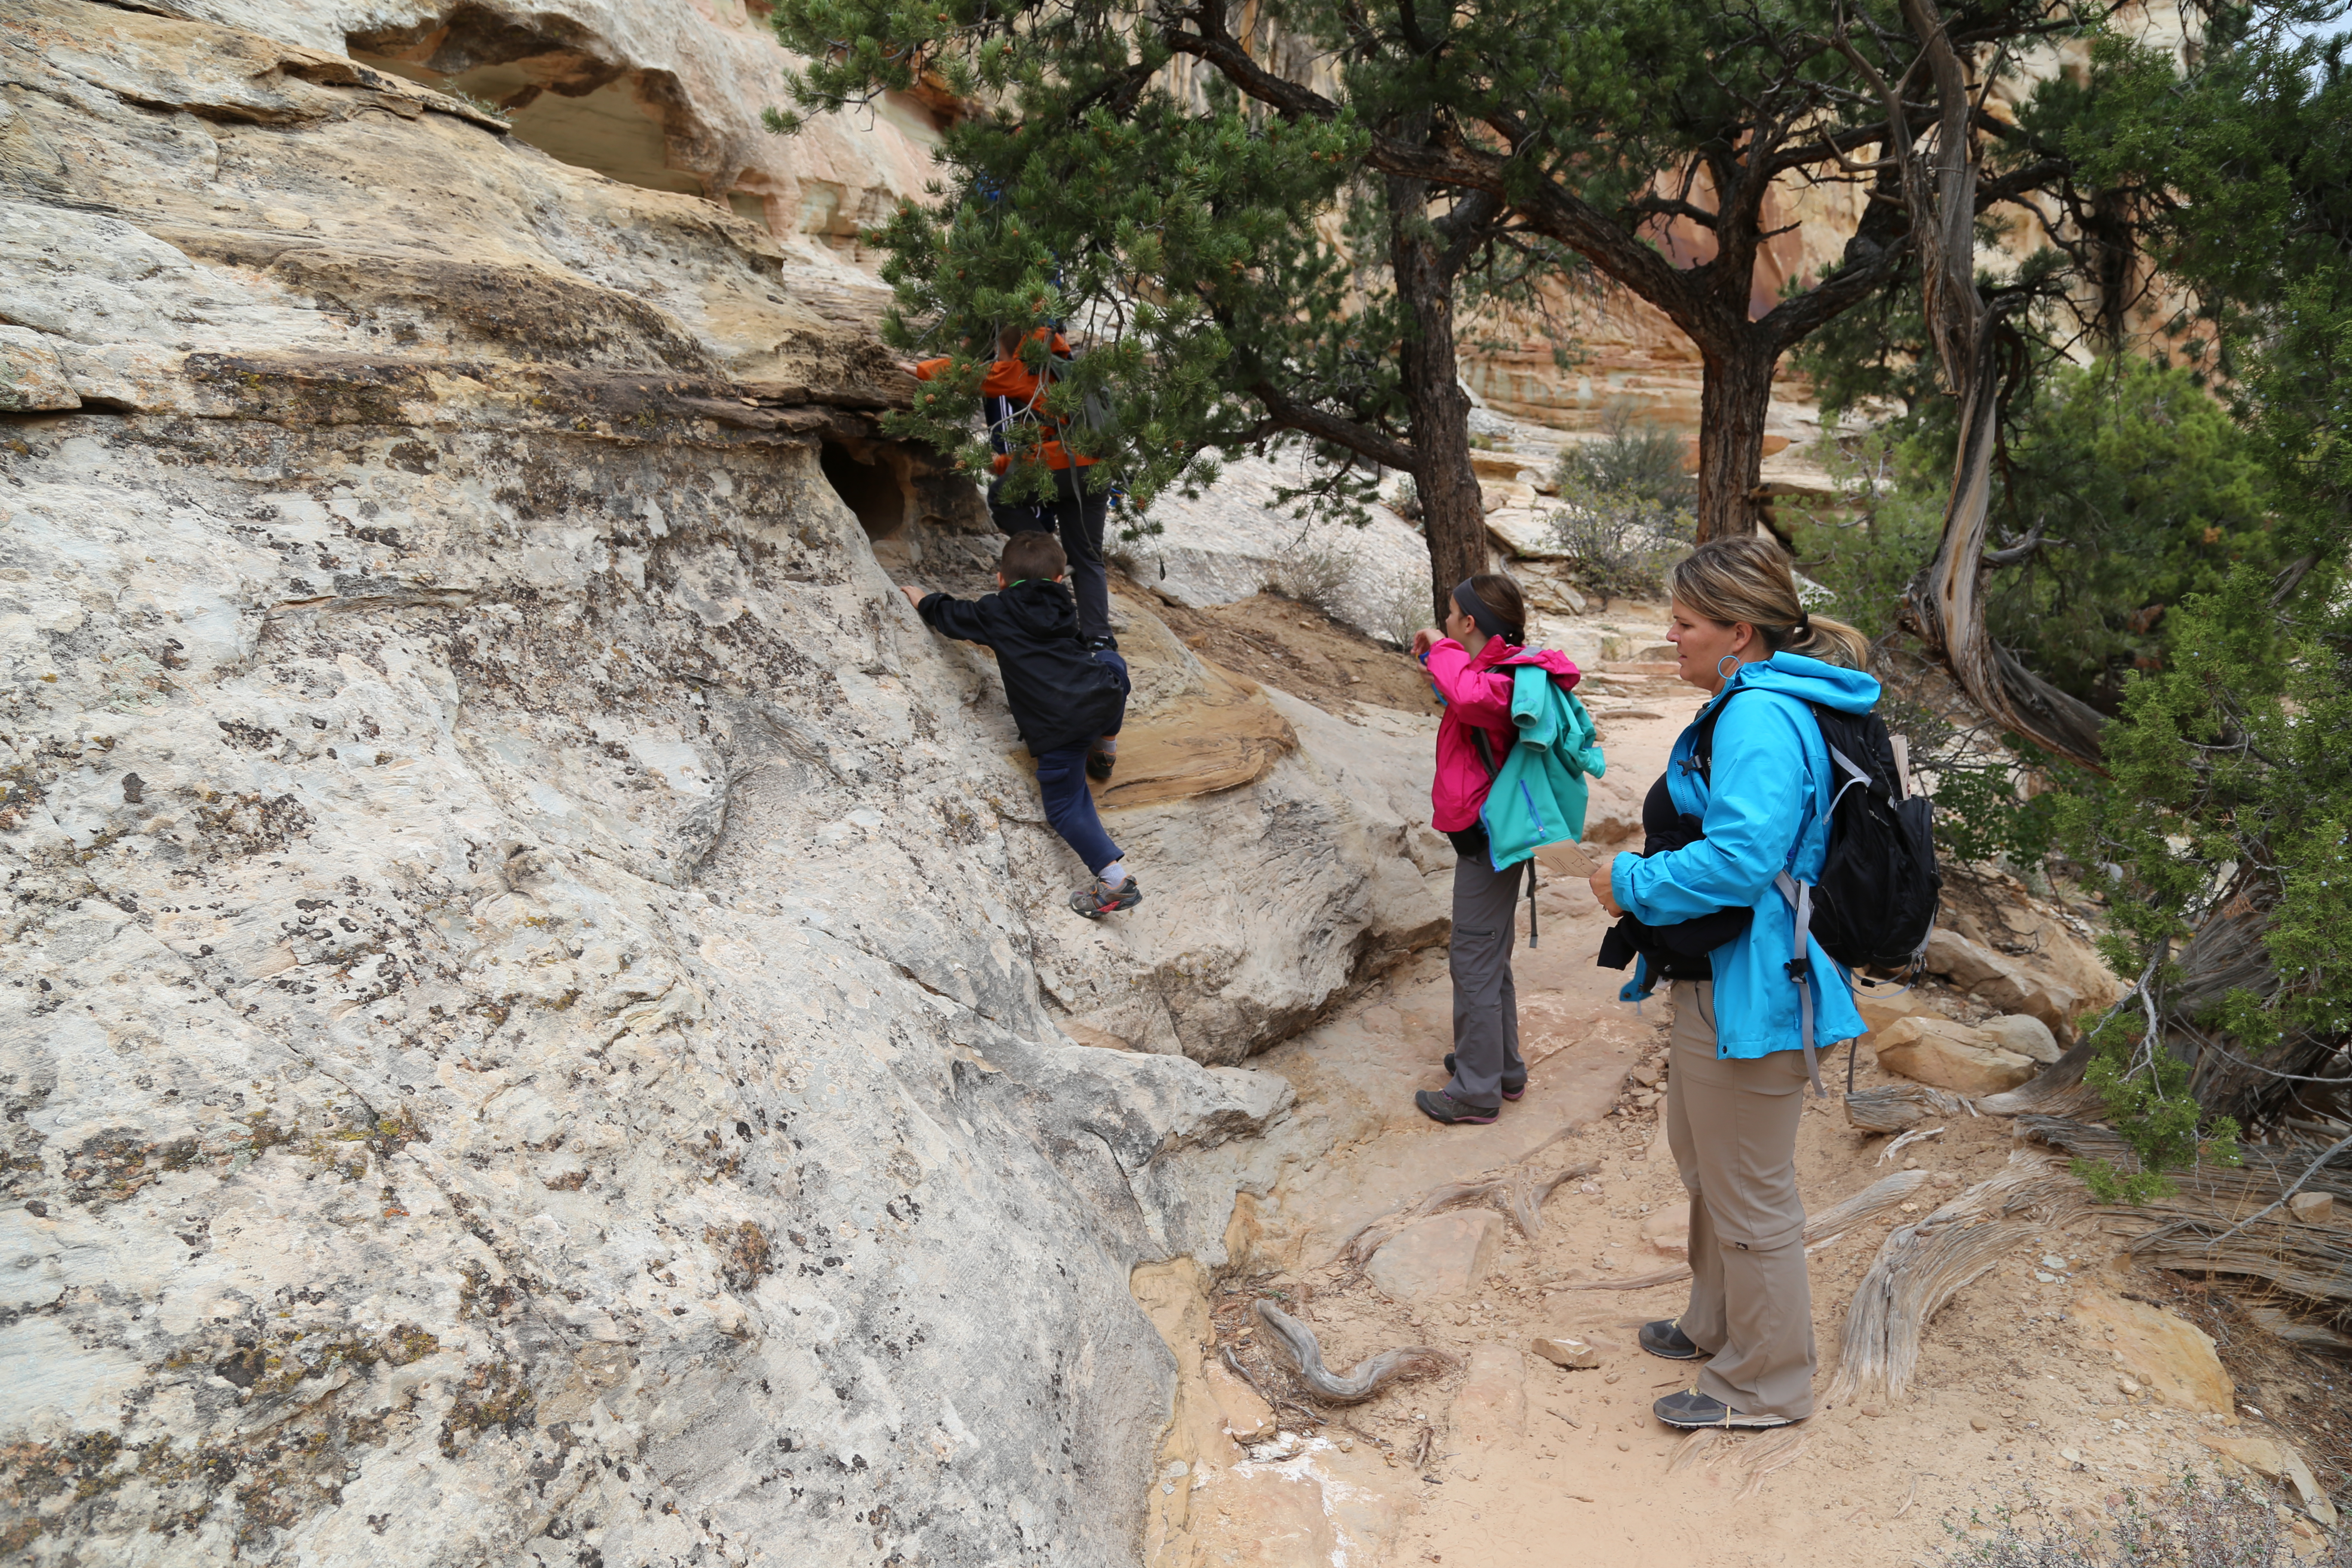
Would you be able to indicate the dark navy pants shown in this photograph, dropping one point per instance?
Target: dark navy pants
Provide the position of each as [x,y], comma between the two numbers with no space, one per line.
[1081,507]
[1062,780]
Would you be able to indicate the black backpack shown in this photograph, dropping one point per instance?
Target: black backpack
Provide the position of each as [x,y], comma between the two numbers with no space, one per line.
[1876,900]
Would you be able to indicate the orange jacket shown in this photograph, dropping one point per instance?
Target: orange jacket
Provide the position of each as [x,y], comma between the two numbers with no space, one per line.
[1013,394]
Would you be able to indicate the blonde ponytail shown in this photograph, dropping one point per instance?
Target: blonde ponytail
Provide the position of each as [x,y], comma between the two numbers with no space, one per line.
[1749,579]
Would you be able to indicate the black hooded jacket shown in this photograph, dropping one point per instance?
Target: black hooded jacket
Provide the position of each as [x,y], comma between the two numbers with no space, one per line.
[1676,952]
[1060,694]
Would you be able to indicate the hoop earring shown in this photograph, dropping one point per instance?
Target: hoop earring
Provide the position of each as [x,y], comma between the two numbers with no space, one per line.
[1730,658]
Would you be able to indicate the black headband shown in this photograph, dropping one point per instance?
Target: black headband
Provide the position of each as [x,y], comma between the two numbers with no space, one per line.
[1466,600]
[1804,627]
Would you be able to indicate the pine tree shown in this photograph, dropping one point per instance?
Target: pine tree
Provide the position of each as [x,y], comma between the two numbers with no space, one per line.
[2229,818]
[1268,220]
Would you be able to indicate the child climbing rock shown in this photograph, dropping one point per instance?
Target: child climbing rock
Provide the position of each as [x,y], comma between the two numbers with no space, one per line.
[1068,700]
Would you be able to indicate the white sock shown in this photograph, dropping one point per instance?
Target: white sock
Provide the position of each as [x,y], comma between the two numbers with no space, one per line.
[1114,873]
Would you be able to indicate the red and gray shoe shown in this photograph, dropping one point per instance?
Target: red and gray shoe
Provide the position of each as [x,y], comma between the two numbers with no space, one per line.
[1510,1090]
[1098,900]
[1440,1106]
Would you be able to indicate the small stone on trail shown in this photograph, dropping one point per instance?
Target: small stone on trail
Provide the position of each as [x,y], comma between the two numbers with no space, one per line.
[2049,1261]
[2126,1387]
[1945,1178]
[1611,1378]
[1978,1424]
[1623,1447]
[1563,1351]
[1872,1410]
[2312,1208]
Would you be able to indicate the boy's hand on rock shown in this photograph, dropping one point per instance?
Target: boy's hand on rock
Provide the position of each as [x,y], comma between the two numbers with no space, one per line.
[915,595]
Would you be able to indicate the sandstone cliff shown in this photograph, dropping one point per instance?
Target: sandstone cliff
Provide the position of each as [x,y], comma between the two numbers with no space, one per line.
[533,1027]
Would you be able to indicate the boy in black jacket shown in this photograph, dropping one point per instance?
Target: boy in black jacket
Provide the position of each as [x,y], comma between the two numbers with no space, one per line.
[1067,702]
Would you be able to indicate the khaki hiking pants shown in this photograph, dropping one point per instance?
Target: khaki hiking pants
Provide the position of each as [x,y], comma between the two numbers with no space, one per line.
[1732,1126]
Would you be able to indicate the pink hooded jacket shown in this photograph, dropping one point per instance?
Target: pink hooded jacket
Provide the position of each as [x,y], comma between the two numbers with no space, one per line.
[1477,691]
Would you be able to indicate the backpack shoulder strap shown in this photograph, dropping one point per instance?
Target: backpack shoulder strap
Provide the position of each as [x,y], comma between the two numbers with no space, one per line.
[1486,751]
[1702,755]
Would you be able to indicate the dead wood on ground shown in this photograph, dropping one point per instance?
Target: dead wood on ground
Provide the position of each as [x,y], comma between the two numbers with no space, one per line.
[1920,1267]
[1297,1344]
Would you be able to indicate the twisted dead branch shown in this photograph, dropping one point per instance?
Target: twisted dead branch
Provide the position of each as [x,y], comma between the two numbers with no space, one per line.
[1922,1266]
[1896,1106]
[1517,1190]
[1297,1344]
[2225,1219]
[2057,1090]
[1820,1231]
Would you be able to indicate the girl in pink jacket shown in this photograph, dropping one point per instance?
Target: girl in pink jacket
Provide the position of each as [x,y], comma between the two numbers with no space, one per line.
[1471,664]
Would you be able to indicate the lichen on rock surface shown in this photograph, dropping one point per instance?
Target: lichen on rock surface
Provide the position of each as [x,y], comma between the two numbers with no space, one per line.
[523,1036]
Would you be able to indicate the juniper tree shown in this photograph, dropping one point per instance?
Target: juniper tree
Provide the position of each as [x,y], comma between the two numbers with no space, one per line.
[1185,180]
[2227,822]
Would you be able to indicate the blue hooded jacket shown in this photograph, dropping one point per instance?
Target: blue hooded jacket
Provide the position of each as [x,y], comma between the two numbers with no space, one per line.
[1768,811]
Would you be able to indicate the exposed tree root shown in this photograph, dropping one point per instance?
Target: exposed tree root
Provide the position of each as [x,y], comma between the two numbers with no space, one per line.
[1753,1457]
[1897,1106]
[2225,1219]
[2057,1090]
[1820,1231]
[1766,1455]
[1517,1190]
[1692,1447]
[1297,1344]
[1920,1267]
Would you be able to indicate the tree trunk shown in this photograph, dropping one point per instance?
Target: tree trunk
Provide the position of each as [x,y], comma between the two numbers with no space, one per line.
[1453,513]
[1944,606]
[1734,398]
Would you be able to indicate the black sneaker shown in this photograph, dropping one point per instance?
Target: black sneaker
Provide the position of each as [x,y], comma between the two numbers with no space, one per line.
[1440,1106]
[1098,900]
[1510,1090]
[1691,1409]
[1099,763]
[1666,1338]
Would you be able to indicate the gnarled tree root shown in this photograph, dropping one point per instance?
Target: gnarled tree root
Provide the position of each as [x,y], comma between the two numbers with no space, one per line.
[1897,1106]
[1920,1267]
[1517,1190]
[1830,1222]
[2057,1090]
[1297,1344]
[2226,1219]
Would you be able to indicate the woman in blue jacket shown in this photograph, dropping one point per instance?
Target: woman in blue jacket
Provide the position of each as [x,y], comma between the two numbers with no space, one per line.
[1735,1082]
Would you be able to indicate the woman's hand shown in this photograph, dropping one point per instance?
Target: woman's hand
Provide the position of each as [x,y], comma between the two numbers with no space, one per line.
[1426,639]
[1598,883]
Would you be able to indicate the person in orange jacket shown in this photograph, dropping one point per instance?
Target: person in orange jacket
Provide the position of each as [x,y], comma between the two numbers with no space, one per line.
[1012,394]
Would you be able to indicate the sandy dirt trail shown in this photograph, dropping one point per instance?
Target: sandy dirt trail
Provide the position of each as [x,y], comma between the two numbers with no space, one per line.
[1509,1459]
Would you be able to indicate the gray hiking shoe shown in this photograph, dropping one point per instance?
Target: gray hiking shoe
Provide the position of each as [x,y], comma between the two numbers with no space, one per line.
[1691,1409]
[1666,1338]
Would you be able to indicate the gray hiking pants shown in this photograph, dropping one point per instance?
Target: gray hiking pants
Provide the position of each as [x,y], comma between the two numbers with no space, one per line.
[1485,1004]
[1732,1126]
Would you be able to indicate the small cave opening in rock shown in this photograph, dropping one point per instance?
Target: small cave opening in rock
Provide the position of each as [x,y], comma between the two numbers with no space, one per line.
[558,88]
[869,486]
